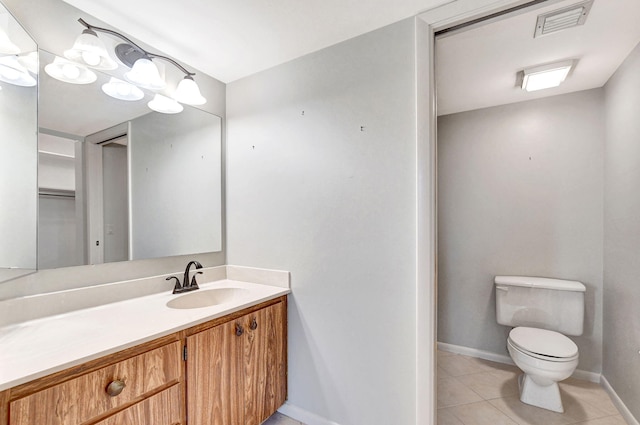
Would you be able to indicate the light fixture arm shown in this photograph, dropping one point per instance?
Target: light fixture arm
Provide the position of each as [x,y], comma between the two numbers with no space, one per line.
[147,53]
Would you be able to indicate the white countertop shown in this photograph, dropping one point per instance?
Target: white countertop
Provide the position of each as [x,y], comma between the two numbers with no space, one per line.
[37,348]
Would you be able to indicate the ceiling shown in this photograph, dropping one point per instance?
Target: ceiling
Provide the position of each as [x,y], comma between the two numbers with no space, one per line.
[477,67]
[229,40]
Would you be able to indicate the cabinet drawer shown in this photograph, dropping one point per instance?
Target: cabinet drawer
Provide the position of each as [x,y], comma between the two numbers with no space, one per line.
[161,409]
[84,398]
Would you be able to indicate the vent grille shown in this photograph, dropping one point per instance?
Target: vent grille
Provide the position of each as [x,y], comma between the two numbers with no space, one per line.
[562,19]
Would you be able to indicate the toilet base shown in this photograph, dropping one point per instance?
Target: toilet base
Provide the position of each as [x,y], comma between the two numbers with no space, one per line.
[546,397]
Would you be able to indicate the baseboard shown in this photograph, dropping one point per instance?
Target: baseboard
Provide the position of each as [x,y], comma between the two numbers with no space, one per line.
[622,408]
[304,416]
[499,358]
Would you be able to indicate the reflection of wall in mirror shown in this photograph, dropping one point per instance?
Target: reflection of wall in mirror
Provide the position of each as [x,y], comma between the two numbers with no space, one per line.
[172,178]
[18,162]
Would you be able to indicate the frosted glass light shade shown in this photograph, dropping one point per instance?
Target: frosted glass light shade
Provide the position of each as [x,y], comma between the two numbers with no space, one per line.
[188,92]
[145,74]
[70,72]
[122,90]
[12,72]
[30,61]
[6,45]
[90,51]
[165,105]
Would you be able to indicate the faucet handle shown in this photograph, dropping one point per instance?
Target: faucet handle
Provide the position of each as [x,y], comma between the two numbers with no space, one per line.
[177,288]
[194,284]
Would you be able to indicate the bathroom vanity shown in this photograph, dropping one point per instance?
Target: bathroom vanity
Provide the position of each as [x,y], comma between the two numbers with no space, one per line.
[223,363]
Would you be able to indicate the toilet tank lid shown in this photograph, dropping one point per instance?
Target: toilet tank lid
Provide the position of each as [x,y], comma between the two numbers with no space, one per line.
[540,282]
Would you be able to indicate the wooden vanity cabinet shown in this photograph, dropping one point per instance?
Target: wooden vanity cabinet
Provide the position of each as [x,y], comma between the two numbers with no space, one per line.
[234,374]
[237,371]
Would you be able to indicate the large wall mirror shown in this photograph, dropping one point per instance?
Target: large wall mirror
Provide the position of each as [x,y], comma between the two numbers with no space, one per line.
[115,180]
[18,149]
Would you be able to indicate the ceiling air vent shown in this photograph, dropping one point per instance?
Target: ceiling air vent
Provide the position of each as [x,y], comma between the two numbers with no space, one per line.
[562,19]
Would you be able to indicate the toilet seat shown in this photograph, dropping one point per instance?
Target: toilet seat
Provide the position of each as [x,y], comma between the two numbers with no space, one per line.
[543,344]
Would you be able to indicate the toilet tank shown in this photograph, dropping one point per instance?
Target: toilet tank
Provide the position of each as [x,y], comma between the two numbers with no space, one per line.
[538,302]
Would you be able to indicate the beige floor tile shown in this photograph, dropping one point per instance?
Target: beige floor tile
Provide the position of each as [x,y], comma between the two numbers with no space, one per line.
[481,413]
[443,373]
[442,353]
[489,385]
[609,420]
[452,393]
[580,409]
[589,393]
[446,417]
[485,365]
[461,365]
[525,414]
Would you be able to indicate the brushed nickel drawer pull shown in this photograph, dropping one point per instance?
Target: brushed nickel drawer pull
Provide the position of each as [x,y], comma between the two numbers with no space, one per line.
[115,387]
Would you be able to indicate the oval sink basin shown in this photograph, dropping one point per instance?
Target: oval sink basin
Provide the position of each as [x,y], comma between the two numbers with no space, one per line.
[205,298]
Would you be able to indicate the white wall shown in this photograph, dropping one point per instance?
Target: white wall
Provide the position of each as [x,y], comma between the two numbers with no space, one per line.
[622,233]
[311,193]
[520,192]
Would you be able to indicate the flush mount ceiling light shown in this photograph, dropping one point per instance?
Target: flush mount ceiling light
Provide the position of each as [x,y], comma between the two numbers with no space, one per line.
[122,90]
[70,72]
[90,51]
[561,19]
[546,76]
[6,45]
[144,72]
[165,105]
[12,72]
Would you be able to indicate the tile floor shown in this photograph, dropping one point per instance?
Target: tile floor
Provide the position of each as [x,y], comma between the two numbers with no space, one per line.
[479,392]
[280,419]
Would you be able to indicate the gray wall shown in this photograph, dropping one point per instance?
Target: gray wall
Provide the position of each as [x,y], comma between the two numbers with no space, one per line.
[622,233]
[520,192]
[311,193]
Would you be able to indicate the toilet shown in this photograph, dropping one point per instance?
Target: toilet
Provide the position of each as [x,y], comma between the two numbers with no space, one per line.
[542,312]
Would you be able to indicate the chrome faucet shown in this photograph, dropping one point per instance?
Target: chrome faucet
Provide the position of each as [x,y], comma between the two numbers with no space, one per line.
[186,284]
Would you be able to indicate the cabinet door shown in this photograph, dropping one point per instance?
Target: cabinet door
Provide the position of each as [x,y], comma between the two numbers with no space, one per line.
[236,372]
[264,363]
[214,384]
[163,408]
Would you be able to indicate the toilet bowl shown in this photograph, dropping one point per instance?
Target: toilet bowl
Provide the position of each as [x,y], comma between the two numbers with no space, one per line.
[546,358]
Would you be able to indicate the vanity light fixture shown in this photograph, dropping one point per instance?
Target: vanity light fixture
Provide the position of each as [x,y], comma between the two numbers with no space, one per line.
[165,105]
[188,92]
[70,72]
[122,90]
[546,76]
[144,72]
[90,51]
[7,47]
[12,72]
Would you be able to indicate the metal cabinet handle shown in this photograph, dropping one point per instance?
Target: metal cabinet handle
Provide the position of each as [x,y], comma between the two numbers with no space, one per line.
[239,329]
[115,387]
[254,324]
